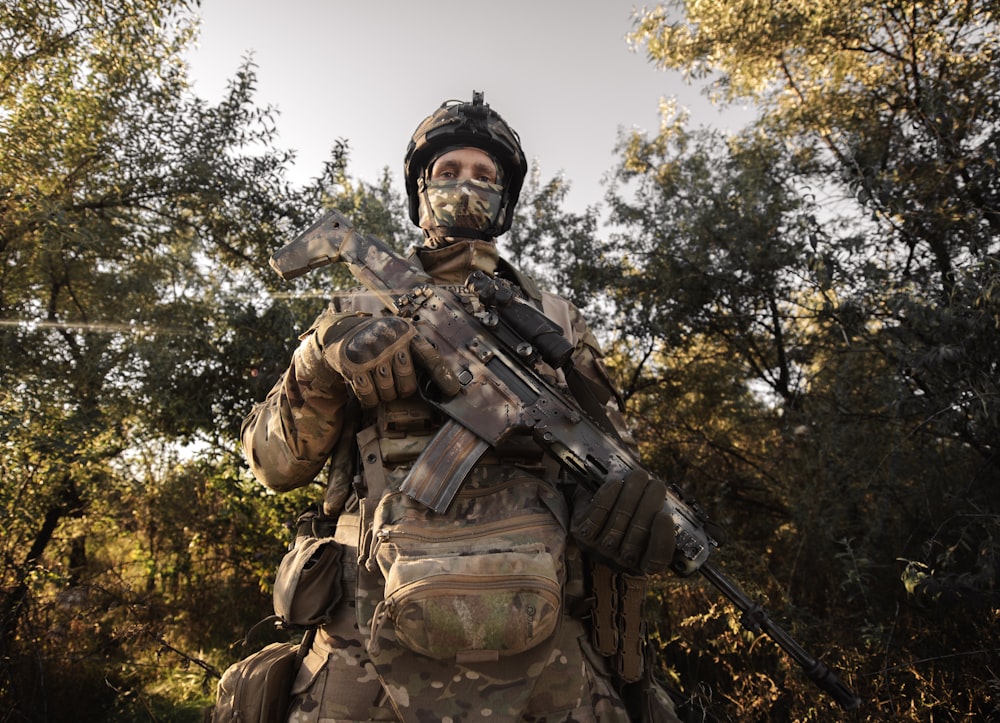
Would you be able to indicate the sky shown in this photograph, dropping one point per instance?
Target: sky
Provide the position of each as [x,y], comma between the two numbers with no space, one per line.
[560,72]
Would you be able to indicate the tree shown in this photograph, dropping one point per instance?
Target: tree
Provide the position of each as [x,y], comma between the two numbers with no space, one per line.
[721,226]
[869,226]
[561,249]
[135,224]
[897,106]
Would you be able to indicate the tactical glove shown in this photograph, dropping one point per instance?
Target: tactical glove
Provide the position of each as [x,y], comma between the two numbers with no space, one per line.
[628,524]
[373,355]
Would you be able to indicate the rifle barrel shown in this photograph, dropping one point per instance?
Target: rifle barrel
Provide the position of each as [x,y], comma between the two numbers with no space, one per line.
[756,619]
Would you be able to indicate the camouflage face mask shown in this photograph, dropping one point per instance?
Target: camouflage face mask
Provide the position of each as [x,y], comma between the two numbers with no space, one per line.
[453,203]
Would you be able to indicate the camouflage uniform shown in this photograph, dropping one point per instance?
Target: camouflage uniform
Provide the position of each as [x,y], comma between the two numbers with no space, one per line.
[482,612]
[293,433]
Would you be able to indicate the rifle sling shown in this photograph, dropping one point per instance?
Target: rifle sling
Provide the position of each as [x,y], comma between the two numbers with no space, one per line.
[582,391]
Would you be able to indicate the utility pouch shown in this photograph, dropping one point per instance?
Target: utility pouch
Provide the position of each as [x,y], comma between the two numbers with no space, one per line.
[309,583]
[604,613]
[480,582]
[471,607]
[258,688]
[617,620]
[629,661]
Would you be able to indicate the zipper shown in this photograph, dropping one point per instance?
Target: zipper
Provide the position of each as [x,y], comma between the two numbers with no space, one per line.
[452,583]
[486,529]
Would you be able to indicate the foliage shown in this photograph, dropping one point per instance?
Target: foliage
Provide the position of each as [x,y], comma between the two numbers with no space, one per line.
[893,109]
[837,260]
[135,220]
[139,322]
[802,317]
[559,248]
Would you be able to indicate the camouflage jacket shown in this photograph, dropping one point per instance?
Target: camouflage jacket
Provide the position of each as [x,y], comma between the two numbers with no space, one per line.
[305,422]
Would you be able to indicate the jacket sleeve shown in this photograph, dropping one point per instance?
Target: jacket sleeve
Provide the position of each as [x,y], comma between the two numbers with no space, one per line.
[288,437]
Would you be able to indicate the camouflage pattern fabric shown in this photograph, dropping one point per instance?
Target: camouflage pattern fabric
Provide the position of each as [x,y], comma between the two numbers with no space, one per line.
[339,683]
[561,680]
[500,513]
[288,438]
[453,203]
[452,262]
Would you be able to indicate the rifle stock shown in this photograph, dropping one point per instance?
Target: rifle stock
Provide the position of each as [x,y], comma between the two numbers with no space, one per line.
[502,394]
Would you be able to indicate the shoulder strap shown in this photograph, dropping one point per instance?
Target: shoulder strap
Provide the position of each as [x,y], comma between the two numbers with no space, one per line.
[526,282]
[371,463]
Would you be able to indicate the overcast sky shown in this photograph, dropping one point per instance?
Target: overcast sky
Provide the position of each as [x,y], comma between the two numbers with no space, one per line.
[559,71]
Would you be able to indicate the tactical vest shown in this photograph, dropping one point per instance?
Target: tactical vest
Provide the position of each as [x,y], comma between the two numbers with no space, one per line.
[484,585]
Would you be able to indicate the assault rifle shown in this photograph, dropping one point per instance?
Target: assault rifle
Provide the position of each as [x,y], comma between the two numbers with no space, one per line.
[496,340]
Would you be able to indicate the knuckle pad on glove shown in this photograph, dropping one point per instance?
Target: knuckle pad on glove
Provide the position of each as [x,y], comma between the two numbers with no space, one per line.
[367,357]
[330,328]
[373,339]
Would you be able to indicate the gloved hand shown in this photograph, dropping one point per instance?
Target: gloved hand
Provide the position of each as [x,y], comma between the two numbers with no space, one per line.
[628,524]
[373,355]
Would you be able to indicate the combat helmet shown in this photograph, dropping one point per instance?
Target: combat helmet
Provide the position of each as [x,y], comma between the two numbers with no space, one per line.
[456,124]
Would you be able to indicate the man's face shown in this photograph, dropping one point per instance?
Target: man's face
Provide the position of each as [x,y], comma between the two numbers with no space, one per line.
[461,196]
[464,164]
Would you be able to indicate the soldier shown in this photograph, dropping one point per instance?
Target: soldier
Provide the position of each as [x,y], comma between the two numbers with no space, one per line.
[522,601]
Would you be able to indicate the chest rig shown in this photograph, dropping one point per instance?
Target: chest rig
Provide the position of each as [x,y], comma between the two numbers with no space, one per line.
[487,580]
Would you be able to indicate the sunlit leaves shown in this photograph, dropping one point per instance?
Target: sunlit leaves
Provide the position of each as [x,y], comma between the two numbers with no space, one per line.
[865,267]
[901,98]
[135,225]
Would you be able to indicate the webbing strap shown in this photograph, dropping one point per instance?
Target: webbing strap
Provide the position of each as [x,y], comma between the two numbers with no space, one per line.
[605,607]
[371,463]
[629,661]
[339,482]
[374,477]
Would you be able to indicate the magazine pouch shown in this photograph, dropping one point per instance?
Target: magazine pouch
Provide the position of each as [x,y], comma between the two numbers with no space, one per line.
[309,583]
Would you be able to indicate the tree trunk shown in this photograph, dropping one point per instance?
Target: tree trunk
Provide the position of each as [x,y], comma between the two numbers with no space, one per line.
[68,503]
